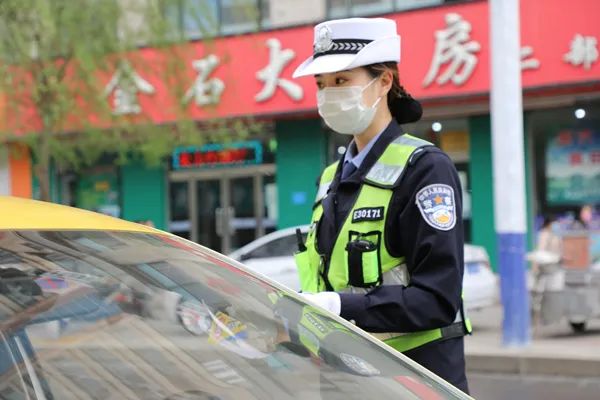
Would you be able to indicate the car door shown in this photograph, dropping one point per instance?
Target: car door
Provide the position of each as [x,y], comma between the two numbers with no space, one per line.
[275,259]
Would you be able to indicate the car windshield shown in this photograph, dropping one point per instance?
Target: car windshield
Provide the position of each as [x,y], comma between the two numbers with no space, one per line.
[121,315]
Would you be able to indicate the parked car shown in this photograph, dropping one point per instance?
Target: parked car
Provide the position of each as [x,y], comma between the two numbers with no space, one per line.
[272,255]
[96,307]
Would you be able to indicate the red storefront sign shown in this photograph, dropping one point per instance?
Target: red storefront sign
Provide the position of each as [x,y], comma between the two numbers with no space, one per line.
[445,53]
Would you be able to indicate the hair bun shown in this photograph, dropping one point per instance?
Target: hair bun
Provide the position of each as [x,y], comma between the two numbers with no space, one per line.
[406,110]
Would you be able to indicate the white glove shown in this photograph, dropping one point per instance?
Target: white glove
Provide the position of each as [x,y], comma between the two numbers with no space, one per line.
[328,300]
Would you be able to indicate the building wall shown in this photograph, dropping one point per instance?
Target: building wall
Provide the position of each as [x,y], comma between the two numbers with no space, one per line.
[482,185]
[143,194]
[529,183]
[301,156]
[287,13]
[4,172]
[19,165]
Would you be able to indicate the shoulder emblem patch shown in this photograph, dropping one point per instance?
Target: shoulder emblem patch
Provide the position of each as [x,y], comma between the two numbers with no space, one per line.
[437,206]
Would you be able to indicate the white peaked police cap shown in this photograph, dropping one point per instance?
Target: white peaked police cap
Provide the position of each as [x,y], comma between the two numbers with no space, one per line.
[344,44]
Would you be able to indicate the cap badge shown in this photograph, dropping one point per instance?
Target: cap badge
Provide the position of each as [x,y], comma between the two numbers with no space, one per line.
[323,41]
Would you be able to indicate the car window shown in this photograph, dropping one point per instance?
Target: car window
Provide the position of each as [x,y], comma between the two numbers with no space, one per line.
[281,247]
[156,317]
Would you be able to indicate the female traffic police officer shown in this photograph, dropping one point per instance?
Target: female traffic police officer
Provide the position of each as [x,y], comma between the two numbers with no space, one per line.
[385,248]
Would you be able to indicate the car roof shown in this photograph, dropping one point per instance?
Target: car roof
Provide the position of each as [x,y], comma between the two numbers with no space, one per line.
[25,214]
[266,239]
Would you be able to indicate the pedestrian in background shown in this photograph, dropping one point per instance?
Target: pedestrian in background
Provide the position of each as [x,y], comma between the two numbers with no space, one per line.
[546,269]
[385,249]
[549,237]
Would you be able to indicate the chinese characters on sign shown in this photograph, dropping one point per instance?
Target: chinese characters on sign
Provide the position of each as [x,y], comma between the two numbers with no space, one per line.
[211,155]
[125,85]
[527,60]
[278,59]
[584,51]
[453,46]
[205,91]
[453,66]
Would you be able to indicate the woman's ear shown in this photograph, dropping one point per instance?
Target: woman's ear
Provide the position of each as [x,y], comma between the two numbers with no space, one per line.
[386,79]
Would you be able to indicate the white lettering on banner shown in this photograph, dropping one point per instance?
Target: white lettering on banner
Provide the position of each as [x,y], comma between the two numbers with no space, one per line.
[526,61]
[368,214]
[270,74]
[583,51]
[205,91]
[125,84]
[454,47]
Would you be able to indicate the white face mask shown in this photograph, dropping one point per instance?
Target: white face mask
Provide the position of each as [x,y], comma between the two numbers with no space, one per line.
[343,110]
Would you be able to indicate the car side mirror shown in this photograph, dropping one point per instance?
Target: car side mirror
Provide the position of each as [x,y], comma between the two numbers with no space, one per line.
[245,256]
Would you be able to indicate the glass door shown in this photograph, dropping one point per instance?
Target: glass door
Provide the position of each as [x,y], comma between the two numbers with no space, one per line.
[209,213]
[224,209]
[252,205]
[179,209]
[243,220]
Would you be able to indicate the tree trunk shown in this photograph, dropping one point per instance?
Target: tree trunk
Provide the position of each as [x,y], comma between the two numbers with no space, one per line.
[42,168]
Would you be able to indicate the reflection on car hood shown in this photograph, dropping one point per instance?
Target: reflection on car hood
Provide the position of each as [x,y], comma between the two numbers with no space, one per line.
[140,315]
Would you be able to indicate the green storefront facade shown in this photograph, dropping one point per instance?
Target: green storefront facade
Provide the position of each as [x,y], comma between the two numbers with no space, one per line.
[303,148]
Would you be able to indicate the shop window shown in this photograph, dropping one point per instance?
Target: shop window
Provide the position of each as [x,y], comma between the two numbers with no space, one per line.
[565,162]
[410,4]
[205,18]
[345,8]
[572,169]
[239,16]
[199,18]
[282,13]
[266,19]
[368,7]
[338,8]
[271,211]
[179,209]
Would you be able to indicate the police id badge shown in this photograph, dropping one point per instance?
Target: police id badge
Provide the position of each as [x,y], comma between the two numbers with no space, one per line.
[368,214]
[437,206]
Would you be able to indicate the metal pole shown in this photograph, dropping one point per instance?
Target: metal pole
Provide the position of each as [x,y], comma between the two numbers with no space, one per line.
[508,167]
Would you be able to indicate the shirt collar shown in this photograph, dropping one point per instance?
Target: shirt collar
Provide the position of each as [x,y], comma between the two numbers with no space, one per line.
[357,159]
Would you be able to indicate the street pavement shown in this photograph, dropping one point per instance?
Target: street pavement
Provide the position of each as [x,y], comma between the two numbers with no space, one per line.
[515,387]
[554,351]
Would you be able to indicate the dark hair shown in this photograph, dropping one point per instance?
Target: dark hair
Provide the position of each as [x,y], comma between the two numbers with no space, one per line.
[403,107]
[548,220]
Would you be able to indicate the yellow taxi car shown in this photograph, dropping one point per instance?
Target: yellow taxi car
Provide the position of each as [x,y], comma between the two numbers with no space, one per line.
[93,307]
